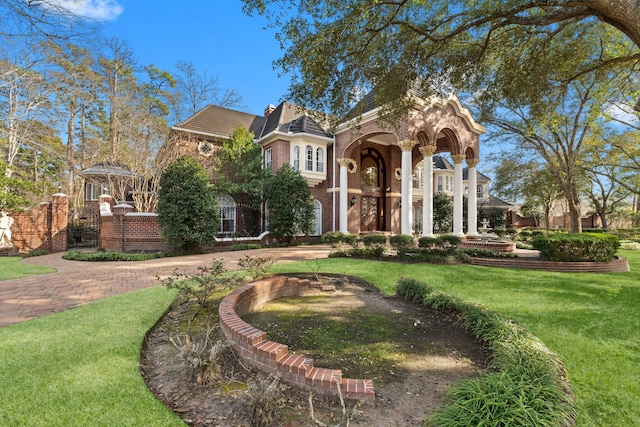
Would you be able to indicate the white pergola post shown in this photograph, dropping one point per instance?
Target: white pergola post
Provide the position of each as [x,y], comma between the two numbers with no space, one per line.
[457,194]
[406,226]
[472,199]
[344,199]
[427,189]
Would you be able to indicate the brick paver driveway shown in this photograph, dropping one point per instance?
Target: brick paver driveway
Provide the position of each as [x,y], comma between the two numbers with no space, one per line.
[76,282]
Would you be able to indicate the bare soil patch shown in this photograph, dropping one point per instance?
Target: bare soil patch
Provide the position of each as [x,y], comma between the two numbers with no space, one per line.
[412,353]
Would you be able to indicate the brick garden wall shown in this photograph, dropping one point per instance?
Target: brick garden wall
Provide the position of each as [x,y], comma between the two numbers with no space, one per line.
[43,227]
[126,231]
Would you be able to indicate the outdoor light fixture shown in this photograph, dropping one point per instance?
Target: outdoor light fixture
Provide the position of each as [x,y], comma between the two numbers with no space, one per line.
[353,200]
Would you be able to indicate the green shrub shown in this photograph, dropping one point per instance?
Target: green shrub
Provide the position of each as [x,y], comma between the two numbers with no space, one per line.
[577,247]
[352,239]
[366,252]
[401,241]
[333,238]
[412,289]
[374,240]
[188,211]
[245,246]
[487,253]
[110,256]
[448,239]
[427,242]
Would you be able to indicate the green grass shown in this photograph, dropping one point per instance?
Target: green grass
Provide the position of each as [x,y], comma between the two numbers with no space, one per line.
[80,367]
[592,321]
[12,268]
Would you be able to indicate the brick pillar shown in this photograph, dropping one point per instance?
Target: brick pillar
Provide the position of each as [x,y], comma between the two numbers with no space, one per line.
[59,221]
[120,225]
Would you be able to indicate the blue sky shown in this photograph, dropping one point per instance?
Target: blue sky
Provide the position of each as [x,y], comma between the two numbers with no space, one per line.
[216,36]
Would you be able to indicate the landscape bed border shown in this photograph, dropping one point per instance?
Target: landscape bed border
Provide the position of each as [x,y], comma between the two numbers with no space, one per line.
[271,357]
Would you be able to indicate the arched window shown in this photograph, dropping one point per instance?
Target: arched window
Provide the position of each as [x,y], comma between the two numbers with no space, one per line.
[440,188]
[319,160]
[317,220]
[309,158]
[449,184]
[296,157]
[227,208]
[370,172]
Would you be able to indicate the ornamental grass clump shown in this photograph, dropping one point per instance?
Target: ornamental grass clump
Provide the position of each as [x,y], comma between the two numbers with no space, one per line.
[527,384]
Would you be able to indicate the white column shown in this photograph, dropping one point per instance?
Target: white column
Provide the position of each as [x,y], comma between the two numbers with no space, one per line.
[344,199]
[406,224]
[457,194]
[472,199]
[427,189]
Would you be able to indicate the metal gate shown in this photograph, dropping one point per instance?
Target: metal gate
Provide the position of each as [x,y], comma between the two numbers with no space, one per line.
[83,229]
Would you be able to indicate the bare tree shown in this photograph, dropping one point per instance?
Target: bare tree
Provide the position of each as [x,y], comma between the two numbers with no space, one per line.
[24,96]
[194,90]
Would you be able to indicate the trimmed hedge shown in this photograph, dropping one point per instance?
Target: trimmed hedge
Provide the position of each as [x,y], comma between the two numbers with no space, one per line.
[401,241]
[374,240]
[593,247]
[336,239]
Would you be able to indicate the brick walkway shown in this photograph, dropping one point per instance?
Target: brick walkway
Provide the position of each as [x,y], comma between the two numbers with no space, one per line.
[76,283]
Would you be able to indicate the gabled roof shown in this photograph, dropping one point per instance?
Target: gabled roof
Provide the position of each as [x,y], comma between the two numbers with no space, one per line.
[217,121]
[221,122]
[494,202]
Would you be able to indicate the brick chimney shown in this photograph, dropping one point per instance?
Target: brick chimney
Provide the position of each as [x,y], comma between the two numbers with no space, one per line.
[270,109]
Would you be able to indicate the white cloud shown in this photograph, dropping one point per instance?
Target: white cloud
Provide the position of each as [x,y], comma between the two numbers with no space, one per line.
[100,10]
[622,113]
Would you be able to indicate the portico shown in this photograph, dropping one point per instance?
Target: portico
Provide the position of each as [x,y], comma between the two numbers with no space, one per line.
[378,169]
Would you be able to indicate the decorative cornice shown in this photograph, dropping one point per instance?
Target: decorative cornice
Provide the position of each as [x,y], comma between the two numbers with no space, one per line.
[463,113]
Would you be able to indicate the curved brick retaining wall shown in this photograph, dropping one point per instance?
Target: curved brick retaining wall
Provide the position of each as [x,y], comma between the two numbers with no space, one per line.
[618,265]
[274,358]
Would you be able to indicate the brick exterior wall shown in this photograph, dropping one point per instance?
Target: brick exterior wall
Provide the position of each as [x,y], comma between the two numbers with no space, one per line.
[43,227]
[271,357]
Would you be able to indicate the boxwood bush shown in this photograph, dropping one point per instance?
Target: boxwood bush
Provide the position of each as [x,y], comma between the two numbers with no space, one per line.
[595,247]
[448,239]
[401,241]
[427,242]
[375,240]
[333,238]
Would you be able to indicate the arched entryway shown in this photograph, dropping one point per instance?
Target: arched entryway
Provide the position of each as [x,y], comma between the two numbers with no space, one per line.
[372,178]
